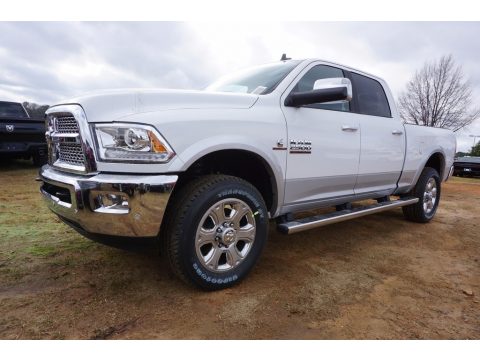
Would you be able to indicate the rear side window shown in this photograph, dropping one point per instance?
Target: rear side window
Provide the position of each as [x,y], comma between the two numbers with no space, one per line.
[321,72]
[371,98]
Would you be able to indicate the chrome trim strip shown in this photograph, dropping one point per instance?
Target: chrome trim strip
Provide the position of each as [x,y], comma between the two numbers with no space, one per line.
[295,226]
[147,196]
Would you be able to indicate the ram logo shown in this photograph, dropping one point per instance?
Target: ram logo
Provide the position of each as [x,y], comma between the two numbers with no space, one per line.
[9,128]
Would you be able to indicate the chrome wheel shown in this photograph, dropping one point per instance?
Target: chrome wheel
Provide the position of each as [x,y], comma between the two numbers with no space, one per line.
[430,196]
[225,235]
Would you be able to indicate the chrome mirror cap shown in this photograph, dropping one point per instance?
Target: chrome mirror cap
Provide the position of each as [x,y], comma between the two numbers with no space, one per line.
[331,83]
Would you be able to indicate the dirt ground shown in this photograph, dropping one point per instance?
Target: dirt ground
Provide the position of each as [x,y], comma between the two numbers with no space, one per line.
[377,277]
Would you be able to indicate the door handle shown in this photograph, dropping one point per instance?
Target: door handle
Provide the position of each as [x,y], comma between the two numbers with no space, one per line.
[397,132]
[349,128]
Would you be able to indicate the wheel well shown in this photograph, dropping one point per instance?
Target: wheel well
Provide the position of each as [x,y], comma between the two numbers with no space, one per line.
[437,162]
[240,163]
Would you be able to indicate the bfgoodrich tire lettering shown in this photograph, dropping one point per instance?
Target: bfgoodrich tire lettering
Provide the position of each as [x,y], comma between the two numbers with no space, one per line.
[190,207]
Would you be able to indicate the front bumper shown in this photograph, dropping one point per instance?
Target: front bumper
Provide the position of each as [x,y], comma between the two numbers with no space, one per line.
[74,198]
[22,148]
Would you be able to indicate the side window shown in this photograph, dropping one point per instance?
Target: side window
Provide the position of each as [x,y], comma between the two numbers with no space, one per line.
[371,98]
[322,72]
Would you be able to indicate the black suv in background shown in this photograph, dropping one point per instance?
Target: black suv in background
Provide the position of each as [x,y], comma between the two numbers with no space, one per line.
[20,135]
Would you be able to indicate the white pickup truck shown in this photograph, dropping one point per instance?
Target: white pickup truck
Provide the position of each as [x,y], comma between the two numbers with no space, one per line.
[204,171]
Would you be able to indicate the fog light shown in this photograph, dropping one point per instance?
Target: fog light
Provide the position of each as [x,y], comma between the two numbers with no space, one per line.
[112,203]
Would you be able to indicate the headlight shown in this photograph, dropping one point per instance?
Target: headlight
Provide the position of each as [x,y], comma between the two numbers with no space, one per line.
[131,143]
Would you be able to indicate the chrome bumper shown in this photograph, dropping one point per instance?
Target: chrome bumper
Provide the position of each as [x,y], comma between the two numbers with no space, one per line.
[75,199]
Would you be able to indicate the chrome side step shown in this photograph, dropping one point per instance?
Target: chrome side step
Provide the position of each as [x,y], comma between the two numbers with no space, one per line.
[292,227]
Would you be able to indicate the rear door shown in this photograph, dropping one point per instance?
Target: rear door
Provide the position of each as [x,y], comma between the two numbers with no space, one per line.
[382,137]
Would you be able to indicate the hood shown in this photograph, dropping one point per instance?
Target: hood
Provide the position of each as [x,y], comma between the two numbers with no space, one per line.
[112,105]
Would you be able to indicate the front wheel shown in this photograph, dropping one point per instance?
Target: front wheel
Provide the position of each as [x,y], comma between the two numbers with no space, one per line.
[427,190]
[215,231]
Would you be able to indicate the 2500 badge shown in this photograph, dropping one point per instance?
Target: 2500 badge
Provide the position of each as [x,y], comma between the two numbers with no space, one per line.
[300,147]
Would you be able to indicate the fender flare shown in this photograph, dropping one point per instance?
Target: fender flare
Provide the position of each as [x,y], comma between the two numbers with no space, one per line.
[220,143]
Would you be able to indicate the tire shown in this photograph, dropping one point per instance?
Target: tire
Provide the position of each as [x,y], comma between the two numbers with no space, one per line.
[427,190]
[232,242]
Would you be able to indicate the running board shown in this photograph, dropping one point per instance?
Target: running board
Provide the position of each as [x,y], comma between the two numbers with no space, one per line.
[292,227]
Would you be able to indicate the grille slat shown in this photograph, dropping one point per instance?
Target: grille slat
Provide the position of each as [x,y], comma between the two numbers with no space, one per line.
[64,151]
[66,124]
[71,154]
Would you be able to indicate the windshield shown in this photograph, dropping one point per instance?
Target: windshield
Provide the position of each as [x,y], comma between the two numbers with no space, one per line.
[12,110]
[257,80]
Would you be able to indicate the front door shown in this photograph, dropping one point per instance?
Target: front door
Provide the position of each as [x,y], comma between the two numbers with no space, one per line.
[323,144]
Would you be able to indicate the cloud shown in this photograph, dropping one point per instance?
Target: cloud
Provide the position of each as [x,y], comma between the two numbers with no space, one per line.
[46,62]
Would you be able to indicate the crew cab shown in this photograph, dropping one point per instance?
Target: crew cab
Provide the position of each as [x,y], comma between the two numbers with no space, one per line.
[20,135]
[203,172]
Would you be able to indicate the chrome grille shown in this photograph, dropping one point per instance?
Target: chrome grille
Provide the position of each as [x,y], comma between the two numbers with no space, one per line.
[71,154]
[66,124]
[65,139]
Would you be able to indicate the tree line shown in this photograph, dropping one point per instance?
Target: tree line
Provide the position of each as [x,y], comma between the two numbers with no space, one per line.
[35,111]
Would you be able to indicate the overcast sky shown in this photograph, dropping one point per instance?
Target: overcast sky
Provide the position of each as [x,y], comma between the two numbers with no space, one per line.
[47,62]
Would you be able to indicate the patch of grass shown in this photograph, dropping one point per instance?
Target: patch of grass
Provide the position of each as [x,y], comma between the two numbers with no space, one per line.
[42,250]
[78,244]
[465,180]
[63,262]
[12,273]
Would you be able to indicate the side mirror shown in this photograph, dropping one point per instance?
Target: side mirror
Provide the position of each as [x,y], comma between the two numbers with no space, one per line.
[324,90]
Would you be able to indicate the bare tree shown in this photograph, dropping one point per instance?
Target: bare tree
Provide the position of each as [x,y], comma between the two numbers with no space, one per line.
[439,96]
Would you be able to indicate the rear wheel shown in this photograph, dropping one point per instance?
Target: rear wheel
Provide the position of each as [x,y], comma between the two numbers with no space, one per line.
[215,231]
[427,190]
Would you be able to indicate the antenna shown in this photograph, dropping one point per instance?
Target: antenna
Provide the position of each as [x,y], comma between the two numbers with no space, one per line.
[284,57]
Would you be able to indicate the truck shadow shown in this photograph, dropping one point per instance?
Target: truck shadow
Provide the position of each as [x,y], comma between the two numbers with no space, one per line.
[145,246]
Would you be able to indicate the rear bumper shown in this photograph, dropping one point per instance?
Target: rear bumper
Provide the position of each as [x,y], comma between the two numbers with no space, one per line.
[76,198]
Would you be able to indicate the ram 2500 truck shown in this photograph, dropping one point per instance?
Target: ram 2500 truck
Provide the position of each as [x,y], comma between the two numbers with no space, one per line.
[20,135]
[204,171]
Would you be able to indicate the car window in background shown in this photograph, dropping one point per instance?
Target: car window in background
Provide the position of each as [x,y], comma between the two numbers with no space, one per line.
[370,96]
[257,80]
[13,110]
